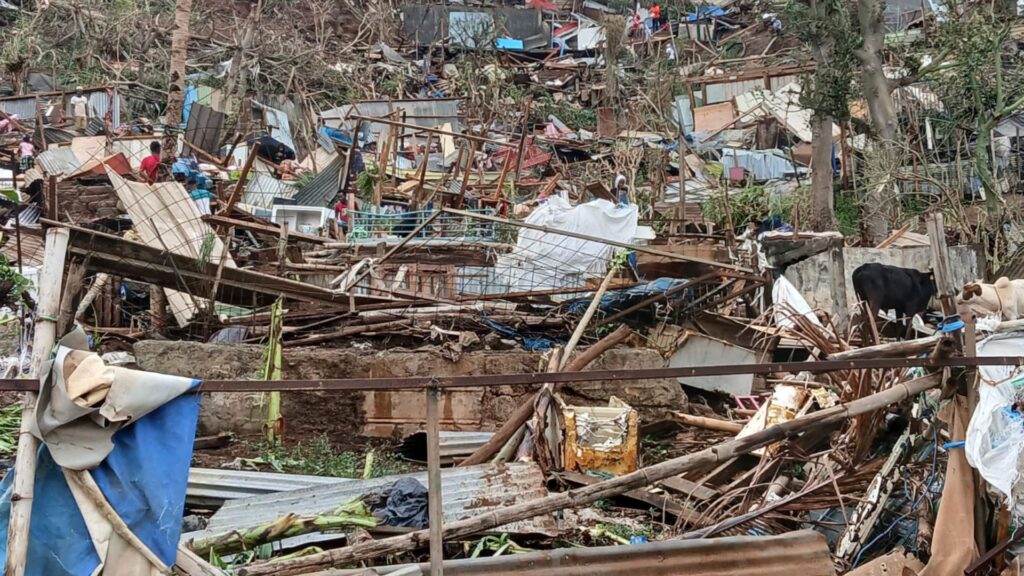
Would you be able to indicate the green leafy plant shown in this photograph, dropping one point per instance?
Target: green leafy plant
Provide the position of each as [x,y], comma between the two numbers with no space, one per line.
[13,285]
[318,457]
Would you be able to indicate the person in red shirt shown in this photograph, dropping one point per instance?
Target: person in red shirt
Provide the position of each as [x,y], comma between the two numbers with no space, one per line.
[151,163]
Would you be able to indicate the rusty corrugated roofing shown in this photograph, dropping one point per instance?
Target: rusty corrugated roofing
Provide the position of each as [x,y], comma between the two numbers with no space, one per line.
[804,553]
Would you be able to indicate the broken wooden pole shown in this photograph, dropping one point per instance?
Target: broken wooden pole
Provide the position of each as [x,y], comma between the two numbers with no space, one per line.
[890,350]
[435,508]
[236,192]
[600,490]
[708,423]
[525,409]
[42,345]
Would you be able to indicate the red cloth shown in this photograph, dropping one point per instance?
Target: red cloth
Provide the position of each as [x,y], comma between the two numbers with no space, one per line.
[149,167]
[656,12]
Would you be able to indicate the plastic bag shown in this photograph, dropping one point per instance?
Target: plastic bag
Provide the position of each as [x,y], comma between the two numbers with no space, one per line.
[995,435]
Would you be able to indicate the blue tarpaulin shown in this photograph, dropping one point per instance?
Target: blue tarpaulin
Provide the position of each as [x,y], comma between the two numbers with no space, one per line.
[532,344]
[144,478]
[617,300]
[705,12]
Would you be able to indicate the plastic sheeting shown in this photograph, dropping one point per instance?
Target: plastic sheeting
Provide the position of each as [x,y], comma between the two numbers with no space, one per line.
[789,302]
[548,260]
[995,435]
[144,478]
[405,506]
[763,164]
[617,300]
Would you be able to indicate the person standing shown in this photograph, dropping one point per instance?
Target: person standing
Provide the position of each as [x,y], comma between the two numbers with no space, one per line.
[151,163]
[80,109]
[28,153]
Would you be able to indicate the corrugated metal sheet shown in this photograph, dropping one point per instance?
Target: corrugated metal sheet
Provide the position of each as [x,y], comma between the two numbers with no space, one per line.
[323,188]
[467,492]
[25,107]
[58,161]
[262,188]
[454,445]
[205,126]
[427,113]
[729,90]
[805,553]
[211,486]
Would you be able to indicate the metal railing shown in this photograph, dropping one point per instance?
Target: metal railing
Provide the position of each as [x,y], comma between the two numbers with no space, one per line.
[366,226]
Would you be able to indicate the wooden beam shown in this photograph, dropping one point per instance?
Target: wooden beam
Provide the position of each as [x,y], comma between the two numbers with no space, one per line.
[262,228]
[238,286]
[236,192]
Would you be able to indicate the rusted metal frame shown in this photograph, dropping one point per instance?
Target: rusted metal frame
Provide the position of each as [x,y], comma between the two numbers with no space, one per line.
[632,247]
[538,378]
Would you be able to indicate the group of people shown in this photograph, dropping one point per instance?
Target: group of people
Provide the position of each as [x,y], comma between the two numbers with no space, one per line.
[657,19]
[27,148]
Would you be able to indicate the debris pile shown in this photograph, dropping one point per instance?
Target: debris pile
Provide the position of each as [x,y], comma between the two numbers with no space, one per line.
[481,288]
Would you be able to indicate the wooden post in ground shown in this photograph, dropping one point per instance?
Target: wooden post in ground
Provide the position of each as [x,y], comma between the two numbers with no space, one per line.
[837,286]
[940,264]
[42,344]
[435,508]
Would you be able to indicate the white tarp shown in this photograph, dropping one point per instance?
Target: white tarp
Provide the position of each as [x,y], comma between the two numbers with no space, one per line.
[995,435]
[165,217]
[789,302]
[548,260]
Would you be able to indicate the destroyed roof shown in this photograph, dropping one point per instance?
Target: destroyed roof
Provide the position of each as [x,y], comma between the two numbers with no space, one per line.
[323,188]
[467,491]
[737,556]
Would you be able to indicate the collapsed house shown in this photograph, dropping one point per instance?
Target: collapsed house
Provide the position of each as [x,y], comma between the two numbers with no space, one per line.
[582,347]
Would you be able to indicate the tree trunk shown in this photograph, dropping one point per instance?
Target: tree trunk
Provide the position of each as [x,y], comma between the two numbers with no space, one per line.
[883,117]
[176,87]
[822,209]
[983,164]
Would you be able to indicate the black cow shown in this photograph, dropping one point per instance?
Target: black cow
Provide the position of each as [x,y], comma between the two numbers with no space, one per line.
[905,290]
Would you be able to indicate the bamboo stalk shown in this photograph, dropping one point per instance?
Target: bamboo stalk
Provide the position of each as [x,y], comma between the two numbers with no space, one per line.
[42,346]
[711,456]
[84,480]
[288,526]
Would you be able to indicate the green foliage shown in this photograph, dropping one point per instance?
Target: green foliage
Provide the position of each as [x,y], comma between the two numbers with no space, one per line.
[498,545]
[825,26]
[366,181]
[847,211]
[10,425]
[9,277]
[751,204]
[318,457]
[574,116]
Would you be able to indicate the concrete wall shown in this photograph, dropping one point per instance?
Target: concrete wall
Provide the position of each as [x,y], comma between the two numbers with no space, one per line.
[812,276]
[387,413]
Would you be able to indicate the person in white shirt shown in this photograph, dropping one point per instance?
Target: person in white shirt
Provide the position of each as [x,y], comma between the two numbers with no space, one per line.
[80,109]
